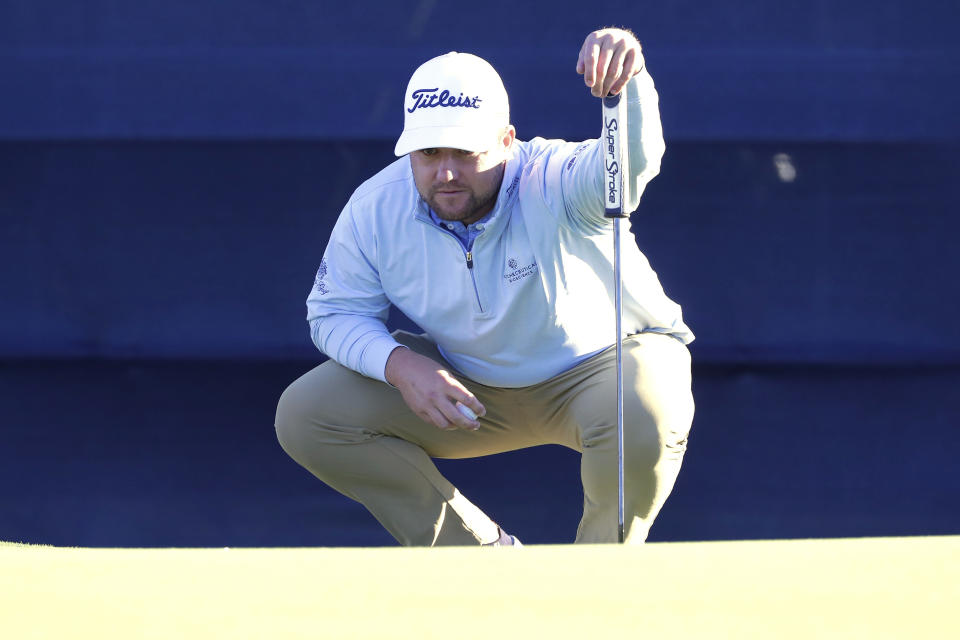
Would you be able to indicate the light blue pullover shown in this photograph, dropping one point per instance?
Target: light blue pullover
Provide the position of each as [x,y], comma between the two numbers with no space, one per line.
[531,299]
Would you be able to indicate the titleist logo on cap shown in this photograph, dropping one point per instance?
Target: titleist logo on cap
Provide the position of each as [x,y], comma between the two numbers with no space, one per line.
[429,98]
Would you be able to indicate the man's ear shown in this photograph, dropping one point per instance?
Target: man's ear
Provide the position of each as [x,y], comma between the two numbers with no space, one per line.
[509,135]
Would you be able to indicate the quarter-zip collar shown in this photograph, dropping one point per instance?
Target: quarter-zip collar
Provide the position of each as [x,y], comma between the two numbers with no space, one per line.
[466,234]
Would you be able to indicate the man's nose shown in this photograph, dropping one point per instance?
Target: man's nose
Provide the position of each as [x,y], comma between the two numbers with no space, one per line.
[447,170]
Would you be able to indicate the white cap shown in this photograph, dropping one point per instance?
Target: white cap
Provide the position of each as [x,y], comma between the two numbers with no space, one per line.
[456,100]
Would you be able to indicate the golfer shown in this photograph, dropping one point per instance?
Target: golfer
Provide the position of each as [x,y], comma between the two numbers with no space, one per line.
[498,249]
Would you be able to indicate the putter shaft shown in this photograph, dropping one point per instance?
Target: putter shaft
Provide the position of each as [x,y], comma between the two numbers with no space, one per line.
[619,311]
[614,207]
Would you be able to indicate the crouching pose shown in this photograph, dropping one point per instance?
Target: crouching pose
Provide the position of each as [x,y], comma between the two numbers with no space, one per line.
[499,250]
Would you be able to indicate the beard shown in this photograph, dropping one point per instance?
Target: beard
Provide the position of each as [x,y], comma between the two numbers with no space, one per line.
[466,206]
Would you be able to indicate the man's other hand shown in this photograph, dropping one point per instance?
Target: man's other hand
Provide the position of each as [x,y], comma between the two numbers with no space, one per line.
[430,390]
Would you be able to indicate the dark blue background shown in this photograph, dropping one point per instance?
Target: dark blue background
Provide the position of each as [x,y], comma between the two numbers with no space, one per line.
[169,174]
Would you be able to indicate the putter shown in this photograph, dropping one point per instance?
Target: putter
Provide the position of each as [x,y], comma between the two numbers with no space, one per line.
[613,169]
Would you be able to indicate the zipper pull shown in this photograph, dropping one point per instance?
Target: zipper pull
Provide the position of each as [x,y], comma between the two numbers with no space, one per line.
[469,260]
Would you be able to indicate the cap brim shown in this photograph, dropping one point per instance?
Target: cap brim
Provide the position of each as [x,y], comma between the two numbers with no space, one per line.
[466,138]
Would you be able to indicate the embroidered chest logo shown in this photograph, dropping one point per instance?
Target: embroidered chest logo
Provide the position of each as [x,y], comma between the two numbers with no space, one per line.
[318,283]
[517,272]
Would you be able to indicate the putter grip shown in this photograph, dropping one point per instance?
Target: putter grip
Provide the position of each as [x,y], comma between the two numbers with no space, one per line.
[613,165]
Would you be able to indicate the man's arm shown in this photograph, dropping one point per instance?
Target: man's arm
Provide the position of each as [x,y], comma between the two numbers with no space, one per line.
[347,309]
[611,61]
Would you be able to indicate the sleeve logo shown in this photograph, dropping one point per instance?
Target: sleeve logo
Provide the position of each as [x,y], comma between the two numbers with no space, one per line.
[318,284]
[576,154]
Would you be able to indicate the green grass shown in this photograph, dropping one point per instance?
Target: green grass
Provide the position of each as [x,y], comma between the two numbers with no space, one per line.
[800,589]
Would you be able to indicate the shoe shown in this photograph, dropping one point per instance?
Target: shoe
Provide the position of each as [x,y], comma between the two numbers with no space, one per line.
[502,540]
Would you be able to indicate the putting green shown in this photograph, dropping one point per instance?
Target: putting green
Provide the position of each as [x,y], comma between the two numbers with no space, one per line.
[850,588]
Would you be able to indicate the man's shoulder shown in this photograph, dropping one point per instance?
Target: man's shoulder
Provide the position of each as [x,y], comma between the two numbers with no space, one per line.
[537,150]
[535,147]
[393,184]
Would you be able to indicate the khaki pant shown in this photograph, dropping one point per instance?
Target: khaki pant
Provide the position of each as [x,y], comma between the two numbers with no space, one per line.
[358,436]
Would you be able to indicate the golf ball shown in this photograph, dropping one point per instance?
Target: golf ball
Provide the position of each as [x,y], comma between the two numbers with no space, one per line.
[467,411]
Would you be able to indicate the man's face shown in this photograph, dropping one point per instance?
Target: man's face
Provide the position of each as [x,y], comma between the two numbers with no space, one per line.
[461,185]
